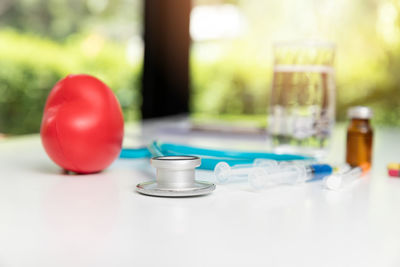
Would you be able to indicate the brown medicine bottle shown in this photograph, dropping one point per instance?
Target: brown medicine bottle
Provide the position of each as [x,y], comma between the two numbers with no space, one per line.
[359,137]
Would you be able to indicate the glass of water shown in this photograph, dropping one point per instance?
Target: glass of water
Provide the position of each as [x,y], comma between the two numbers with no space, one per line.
[302,100]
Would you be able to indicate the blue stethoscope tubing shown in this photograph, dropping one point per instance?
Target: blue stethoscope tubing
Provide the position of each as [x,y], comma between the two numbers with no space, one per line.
[210,157]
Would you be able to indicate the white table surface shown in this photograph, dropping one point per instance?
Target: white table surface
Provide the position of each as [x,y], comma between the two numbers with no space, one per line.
[51,219]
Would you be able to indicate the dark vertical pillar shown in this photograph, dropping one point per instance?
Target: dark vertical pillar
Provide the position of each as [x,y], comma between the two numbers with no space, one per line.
[165,84]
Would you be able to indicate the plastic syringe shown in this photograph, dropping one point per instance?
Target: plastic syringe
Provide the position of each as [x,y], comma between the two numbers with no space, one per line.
[270,172]
[341,180]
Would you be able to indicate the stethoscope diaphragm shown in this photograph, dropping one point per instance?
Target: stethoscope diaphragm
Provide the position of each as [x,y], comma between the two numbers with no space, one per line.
[175,178]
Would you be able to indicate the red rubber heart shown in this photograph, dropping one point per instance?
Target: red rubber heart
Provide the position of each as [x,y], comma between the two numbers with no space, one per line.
[82,126]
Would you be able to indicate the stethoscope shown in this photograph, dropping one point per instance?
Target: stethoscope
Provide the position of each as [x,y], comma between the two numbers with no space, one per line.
[176,163]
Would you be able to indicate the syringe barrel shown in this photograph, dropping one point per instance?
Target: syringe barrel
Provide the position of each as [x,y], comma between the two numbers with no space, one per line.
[225,173]
[260,178]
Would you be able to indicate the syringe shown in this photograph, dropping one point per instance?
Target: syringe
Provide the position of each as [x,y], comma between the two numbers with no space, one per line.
[270,172]
[341,180]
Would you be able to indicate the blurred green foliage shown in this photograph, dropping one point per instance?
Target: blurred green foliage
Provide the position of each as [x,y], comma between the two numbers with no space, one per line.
[229,86]
[232,86]
[42,41]
[30,66]
[235,76]
[58,19]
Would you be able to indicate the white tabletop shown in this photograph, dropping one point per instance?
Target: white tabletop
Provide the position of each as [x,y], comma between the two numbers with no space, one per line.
[51,219]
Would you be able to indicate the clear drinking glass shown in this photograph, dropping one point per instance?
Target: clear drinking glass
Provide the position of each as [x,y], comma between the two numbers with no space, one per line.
[302,102]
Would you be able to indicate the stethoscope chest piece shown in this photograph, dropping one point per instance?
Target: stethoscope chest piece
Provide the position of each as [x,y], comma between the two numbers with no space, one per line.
[175,178]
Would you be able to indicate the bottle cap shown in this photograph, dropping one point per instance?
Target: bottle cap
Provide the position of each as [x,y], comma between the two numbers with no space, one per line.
[394,166]
[359,112]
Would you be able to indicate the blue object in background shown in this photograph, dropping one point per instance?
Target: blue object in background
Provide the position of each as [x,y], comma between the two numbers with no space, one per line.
[209,157]
[135,153]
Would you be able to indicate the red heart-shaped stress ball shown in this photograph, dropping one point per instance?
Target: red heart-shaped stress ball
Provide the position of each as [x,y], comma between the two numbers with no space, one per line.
[82,126]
